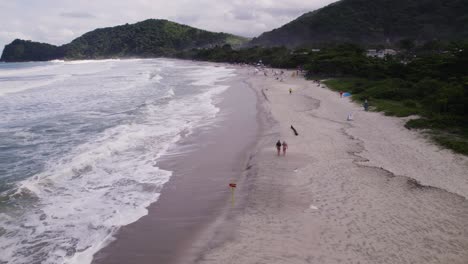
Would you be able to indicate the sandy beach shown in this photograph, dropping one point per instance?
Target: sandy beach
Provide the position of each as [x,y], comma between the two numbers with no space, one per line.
[361,191]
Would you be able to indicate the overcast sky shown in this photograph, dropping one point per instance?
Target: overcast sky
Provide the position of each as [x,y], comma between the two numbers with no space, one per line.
[60,21]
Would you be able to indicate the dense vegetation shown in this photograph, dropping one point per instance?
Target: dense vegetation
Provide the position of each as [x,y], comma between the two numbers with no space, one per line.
[371,23]
[430,81]
[24,50]
[149,38]
[433,86]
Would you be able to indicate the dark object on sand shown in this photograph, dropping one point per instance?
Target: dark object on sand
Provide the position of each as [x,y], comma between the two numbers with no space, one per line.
[295,131]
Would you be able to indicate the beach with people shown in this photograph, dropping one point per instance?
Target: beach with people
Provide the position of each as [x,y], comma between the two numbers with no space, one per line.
[366,191]
[174,161]
[234,132]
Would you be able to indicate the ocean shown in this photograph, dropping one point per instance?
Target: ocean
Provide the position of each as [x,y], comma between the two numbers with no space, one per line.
[79,148]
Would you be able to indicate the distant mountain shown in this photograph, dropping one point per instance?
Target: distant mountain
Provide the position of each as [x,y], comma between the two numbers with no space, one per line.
[149,38]
[373,22]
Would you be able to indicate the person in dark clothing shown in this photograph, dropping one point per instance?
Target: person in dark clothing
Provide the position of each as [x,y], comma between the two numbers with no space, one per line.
[366,105]
[278,147]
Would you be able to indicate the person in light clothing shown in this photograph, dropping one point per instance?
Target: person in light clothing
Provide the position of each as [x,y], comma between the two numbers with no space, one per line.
[285,147]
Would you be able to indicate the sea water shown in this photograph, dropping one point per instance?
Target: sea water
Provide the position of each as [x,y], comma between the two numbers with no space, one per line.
[79,148]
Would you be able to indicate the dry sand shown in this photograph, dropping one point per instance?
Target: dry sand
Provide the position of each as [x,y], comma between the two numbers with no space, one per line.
[362,191]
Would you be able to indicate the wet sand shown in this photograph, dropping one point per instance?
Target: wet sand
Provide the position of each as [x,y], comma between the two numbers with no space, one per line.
[362,191]
[197,195]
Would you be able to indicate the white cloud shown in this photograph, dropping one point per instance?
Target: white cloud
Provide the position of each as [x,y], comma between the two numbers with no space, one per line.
[13,35]
[77,15]
[60,21]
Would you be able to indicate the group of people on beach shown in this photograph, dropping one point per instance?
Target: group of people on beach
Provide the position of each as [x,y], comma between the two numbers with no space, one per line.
[279,145]
[278,75]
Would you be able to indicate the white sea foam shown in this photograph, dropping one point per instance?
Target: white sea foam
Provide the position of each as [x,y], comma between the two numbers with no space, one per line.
[171,92]
[206,77]
[83,197]
[91,61]
[25,70]
[21,84]
[15,80]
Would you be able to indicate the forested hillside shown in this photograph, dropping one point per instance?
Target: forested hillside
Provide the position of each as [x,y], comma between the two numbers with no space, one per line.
[25,50]
[372,23]
[149,38]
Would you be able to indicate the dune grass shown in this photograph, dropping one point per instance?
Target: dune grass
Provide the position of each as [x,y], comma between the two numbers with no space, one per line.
[448,131]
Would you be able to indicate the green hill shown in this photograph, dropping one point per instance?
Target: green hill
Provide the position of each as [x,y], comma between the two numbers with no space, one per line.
[26,50]
[373,22]
[149,38]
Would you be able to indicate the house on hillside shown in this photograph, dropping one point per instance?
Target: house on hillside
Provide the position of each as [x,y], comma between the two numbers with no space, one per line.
[380,53]
[304,51]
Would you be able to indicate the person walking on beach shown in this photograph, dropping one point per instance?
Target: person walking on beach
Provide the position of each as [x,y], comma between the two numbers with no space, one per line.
[290,90]
[285,147]
[366,105]
[278,147]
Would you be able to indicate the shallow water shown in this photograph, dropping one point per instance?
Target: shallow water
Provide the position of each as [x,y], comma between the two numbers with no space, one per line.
[79,145]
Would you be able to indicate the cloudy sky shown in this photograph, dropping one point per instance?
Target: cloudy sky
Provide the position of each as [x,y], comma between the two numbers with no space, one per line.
[60,21]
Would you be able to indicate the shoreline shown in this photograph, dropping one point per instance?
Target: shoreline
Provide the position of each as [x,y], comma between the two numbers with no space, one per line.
[195,198]
[365,191]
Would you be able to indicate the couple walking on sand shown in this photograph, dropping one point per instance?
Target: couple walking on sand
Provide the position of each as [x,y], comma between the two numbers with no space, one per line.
[278,147]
